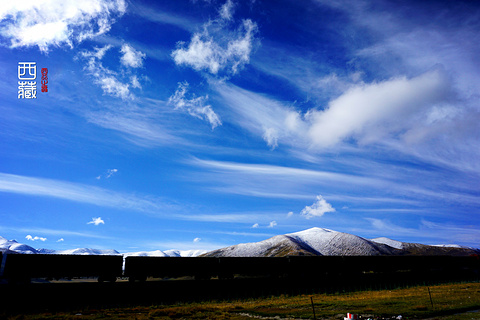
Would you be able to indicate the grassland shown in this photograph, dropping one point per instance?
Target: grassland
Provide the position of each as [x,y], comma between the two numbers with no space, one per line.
[446,302]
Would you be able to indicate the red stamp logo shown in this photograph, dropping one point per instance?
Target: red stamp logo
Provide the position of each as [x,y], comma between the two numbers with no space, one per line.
[44,79]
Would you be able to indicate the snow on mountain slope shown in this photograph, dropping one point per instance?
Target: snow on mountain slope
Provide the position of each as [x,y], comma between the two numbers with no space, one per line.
[13,245]
[79,251]
[333,243]
[184,253]
[314,241]
[88,251]
[167,253]
[392,243]
[156,253]
[276,246]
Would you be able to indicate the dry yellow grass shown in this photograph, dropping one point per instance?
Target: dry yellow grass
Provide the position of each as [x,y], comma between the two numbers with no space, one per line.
[414,303]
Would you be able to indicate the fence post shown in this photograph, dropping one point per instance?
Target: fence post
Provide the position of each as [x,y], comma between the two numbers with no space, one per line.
[430,295]
[313,308]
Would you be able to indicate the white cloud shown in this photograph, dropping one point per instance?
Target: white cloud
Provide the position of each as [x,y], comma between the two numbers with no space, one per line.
[256,225]
[197,240]
[218,48]
[366,113]
[202,53]
[29,237]
[96,221]
[272,224]
[110,173]
[195,106]
[226,10]
[60,240]
[317,209]
[104,77]
[131,57]
[271,137]
[369,112]
[97,52]
[112,86]
[135,82]
[46,23]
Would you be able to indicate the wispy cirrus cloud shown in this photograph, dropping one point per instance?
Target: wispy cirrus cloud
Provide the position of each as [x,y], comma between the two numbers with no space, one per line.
[165,17]
[32,186]
[53,232]
[443,233]
[264,116]
[288,172]
[142,127]
[412,191]
[46,23]
[221,217]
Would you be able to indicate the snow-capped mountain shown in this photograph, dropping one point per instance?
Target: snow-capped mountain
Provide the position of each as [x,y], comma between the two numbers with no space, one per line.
[318,241]
[80,251]
[184,253]
[156,253]
[333,243]
[389,242]
[13,245]
[408,248]
[314,241]
[167,253]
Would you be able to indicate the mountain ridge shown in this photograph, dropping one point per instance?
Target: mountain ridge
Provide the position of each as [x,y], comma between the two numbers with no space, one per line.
[320,241]
[310,242]
[12,246]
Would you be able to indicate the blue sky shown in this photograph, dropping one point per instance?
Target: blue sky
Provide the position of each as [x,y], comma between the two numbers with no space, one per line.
[201,124]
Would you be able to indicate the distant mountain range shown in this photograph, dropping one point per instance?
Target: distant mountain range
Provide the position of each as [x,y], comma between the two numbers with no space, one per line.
[325,242]
[310,242]
[12,246]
